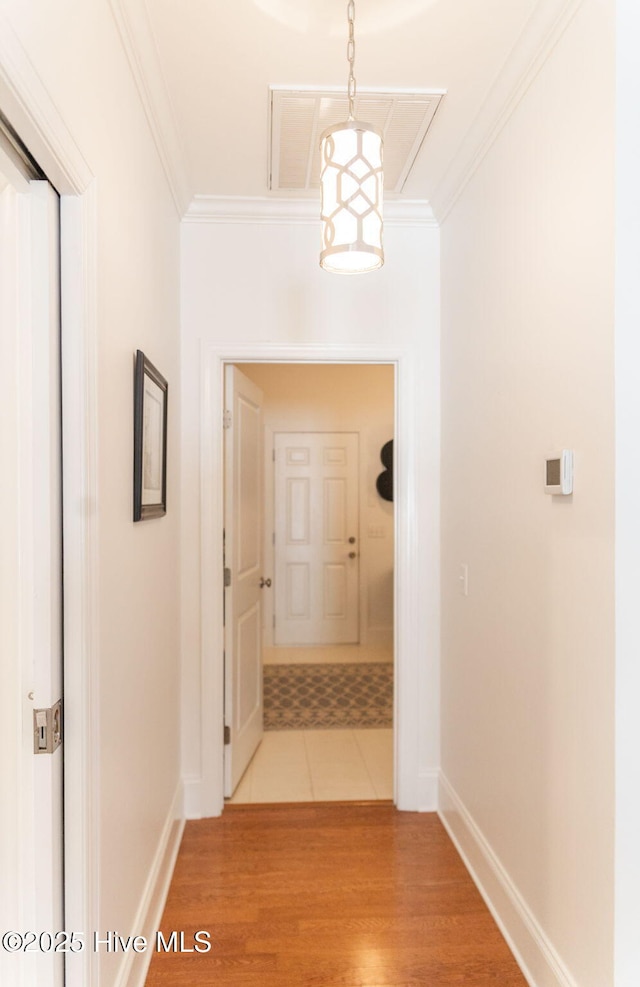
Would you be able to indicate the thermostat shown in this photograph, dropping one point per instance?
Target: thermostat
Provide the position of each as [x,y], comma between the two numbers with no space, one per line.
[559,473]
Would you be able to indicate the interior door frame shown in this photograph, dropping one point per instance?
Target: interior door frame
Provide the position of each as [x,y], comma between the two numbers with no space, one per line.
[415,601]
[27,104]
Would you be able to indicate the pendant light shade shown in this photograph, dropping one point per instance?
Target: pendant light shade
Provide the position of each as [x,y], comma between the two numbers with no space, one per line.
[351,188]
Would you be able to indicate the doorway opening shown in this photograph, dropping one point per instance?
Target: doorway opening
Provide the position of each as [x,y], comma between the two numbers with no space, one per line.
[321,558]
[416,562]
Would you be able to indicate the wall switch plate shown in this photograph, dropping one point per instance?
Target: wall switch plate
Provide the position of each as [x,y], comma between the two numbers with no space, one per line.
[464,579]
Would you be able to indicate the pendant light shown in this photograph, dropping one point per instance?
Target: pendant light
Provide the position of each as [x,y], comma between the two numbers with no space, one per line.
[351,187]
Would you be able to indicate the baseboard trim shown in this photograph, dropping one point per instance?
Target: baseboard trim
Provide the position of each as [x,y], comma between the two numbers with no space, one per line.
[540,963]
[133,971]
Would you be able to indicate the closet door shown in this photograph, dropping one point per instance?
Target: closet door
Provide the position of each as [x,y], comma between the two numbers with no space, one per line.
[31,891]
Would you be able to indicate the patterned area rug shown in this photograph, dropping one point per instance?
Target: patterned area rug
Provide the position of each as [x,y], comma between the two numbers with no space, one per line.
[317,697]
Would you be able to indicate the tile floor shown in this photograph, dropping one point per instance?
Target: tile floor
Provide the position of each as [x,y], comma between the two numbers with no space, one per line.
[319,766]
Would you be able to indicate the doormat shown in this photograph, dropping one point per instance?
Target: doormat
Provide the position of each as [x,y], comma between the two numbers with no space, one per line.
[322,697]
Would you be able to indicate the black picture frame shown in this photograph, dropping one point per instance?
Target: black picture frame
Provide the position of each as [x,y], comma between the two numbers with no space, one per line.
[150,393]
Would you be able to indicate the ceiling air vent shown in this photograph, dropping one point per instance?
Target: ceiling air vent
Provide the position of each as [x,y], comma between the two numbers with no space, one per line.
[298,118]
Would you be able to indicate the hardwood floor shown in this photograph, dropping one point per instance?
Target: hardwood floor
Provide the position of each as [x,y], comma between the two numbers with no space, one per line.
[328,895]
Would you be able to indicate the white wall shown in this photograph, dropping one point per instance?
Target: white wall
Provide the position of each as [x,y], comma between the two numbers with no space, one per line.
[339,397]
[77,54]
[259,284]
[528,656]
[627,904]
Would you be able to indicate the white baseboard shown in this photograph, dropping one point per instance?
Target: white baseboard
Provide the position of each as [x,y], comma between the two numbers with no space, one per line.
[428,795]
[133,971]
[537,958]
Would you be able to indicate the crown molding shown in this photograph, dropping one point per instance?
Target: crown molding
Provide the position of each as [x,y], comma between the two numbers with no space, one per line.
[543,30]
[278,211]
[31,111]
[138,41]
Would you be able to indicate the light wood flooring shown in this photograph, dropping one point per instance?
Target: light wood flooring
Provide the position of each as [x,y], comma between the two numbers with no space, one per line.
[328,896]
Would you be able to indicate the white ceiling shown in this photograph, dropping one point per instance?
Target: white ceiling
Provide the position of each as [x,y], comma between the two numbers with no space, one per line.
[212,62]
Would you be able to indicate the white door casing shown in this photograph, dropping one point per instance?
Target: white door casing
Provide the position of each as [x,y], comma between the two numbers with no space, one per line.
[316,538]
[36,118]
[243,564]
[32,897]
[416,630]
[15,758]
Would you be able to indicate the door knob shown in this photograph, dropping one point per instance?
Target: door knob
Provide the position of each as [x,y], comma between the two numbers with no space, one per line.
[352,555]
[352,540]
[264,582]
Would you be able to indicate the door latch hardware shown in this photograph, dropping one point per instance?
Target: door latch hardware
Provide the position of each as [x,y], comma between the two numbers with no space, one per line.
[47,729]
[227,577]
[227,735]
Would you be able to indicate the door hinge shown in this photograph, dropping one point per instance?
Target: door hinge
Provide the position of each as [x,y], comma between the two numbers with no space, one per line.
[227,577]
[226,419]
[47,729]
[227,735]
[273,455]
[273,621]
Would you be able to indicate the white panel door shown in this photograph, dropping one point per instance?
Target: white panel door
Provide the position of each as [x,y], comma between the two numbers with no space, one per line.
[316,538]
[243,562]
[31,891]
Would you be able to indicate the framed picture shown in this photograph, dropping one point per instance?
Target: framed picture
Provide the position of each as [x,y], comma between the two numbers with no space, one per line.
[149,441]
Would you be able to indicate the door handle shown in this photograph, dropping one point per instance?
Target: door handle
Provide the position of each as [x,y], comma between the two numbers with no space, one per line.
[352,555]
[264,582]
[352,540]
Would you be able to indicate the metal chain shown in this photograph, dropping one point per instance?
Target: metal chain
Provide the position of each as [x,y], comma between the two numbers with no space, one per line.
[351,56]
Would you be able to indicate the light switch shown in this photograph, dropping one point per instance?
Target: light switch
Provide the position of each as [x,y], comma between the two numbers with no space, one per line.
[464,579]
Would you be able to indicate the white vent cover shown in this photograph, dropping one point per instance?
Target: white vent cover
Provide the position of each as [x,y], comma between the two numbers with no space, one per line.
[298,118]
